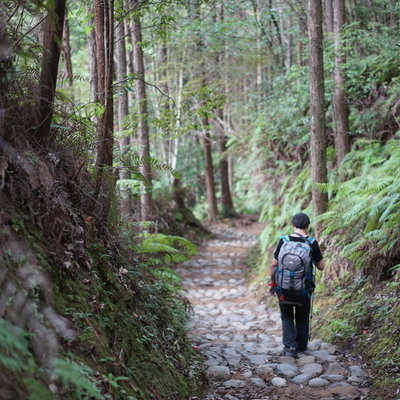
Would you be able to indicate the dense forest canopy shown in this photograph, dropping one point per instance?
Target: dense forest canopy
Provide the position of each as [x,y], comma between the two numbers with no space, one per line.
[126,122]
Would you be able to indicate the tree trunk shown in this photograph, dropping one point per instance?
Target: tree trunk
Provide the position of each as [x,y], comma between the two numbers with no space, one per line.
[318,134]
[66,48]
[328,11]
[210,184]
[166,141]
[93,73]
[146,205]
[104,25]
[226,199]
[194,8]
[51,57]
[289,43]
[340,107]
[302,22]
[123,111]
[121,69]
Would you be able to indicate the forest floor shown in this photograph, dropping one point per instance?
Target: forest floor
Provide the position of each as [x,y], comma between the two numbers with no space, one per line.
[240,338]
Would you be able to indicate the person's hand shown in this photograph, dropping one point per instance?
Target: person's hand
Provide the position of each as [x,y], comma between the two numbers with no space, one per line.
[272,286]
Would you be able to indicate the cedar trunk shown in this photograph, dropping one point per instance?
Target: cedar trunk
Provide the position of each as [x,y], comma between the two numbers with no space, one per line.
[66,48]
[123,110]
[210,184]
[52,40]
[121,70]
[328,11]
[104,26]
[340,106]
[146,205]
[226,199]
[318,134]
[93,73]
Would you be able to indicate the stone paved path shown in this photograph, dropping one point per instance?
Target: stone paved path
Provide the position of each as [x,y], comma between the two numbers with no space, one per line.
[240,339]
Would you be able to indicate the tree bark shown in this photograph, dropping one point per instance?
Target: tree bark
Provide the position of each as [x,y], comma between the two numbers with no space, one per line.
[318,123]
[228,209]
[328,11]
[93,73]
[226,198]
[123,111]
[48,77]
[104,26]
[146,204]
[209,172]
[340,106]
[66,48]
[121,70]
[207,143]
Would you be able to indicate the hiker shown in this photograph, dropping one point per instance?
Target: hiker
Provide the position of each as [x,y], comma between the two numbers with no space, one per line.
[292,281]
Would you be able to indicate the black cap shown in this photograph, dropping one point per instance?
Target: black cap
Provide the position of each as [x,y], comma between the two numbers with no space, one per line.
[301,221]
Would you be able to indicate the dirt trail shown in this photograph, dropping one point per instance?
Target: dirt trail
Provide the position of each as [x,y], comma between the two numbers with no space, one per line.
[240,339]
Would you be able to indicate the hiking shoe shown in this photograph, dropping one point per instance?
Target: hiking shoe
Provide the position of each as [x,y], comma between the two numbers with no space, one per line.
[290,351]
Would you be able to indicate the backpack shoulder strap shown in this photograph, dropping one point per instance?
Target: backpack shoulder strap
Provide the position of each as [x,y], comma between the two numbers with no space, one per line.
[310,240]
[285,238]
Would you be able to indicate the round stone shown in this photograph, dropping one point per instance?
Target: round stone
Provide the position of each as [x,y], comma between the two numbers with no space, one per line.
[328,347]
[258,382]
[324,355]
[333,378]
[247,374]
[355,370]
[306,360]
[233,360]
[218,372]
[335,369]
[288,370]
[234,383]
[278,382]
[287,360]
[257,359]
[302,379]
[355,380]
[312,369]
[265,369]
[315,344]
[318,382]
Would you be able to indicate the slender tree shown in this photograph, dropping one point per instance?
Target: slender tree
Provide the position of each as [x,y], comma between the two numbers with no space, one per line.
[104,26]
[328,15]
[318,134]
[340,106]
[123,109]
[209,172]
[92,50]
[206,139]
[121,73]
[226,198]
[146,204]
[52,39]
[66,50]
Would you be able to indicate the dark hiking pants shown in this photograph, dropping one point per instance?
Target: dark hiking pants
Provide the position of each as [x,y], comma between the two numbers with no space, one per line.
[295,325]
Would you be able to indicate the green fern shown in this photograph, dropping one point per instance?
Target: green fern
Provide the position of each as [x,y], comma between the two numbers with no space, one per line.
[167,249]
[79,376]
[364,215]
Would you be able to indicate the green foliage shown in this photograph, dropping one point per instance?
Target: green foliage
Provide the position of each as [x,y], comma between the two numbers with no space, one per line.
[365,318]
[79,376]
[17,359]
[166,249]
[363,215]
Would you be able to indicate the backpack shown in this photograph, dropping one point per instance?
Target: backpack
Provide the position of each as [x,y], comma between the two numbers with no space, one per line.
[294,274]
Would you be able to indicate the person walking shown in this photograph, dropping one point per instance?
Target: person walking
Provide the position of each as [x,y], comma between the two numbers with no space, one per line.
[292,281]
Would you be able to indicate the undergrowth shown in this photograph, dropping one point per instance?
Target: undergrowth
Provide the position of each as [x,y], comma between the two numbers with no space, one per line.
[365,318]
